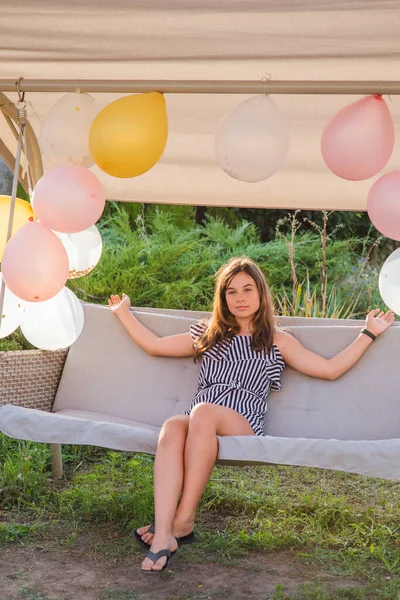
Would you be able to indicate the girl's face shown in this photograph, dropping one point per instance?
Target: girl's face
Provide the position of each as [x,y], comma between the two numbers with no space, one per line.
[242,296]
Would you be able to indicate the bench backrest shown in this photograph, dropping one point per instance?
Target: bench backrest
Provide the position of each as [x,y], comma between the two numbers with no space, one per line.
[107,373]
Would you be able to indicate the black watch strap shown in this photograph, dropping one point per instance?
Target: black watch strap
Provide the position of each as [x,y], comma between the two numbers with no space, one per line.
[368,333]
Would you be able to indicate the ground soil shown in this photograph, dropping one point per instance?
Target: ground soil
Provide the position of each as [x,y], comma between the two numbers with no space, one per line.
[79,574]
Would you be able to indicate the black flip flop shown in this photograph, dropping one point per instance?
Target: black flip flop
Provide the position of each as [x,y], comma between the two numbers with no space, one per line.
[155,556]
[138,538]
[186,539]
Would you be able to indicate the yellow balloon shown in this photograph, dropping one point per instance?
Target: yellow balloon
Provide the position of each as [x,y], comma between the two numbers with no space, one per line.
[23,213]
[129,135]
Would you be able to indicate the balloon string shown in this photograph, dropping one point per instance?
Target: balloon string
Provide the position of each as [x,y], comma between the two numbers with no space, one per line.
[22,121]
[13,199]
[265,80]
[381,95]
[28,172]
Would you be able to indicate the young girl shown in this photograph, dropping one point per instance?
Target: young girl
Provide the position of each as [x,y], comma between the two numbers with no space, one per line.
[243,355]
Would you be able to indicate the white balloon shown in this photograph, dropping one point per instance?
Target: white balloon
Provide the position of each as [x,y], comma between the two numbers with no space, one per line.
[389,282]
[252,141]
[54,323]
[83,250]
[64,134]
[12,312]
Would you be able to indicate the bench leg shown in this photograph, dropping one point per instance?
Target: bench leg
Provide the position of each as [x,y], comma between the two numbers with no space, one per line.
[56,460]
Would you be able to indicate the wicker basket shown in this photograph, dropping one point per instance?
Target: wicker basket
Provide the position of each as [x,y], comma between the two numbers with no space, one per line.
[30,378]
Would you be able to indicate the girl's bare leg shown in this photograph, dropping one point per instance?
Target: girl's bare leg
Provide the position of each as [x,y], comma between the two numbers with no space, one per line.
[168,472]
[200,452]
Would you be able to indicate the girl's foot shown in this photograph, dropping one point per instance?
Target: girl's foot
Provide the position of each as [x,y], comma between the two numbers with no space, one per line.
[143,532]
[180,528]
[159,543]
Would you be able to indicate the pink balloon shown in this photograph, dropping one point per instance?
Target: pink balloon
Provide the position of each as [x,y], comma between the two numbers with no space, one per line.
[383,205]
[68,199]
[359,139]
[35,264]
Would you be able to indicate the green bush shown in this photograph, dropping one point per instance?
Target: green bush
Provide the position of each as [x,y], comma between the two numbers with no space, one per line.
[161,264]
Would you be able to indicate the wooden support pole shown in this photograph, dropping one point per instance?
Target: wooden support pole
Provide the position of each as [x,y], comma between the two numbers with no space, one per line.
[56,460]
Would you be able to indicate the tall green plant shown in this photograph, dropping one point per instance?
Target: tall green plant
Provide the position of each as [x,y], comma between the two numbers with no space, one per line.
[307,303]
[322,301]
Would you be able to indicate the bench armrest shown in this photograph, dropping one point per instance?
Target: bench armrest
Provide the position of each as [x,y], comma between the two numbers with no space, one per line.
[30,378]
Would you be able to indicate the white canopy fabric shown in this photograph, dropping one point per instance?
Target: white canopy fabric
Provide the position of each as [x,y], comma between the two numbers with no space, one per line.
[212,40]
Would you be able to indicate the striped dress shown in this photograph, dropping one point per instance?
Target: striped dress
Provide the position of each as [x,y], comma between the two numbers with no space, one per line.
[238,377]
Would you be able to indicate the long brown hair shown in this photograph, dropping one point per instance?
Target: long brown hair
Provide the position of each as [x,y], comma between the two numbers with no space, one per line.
[222,325]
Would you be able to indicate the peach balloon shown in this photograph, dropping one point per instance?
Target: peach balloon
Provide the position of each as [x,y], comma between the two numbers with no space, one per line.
[383,205]
[68,199]
[35,263]
[359,139]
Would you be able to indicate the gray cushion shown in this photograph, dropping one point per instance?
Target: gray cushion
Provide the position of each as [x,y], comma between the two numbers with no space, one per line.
[107,372]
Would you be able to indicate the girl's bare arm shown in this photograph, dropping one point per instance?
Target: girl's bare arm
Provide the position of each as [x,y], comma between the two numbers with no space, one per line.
[310,363]
[172,345]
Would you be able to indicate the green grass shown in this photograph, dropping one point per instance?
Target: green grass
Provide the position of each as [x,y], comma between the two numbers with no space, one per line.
[340,524]
[317,591]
